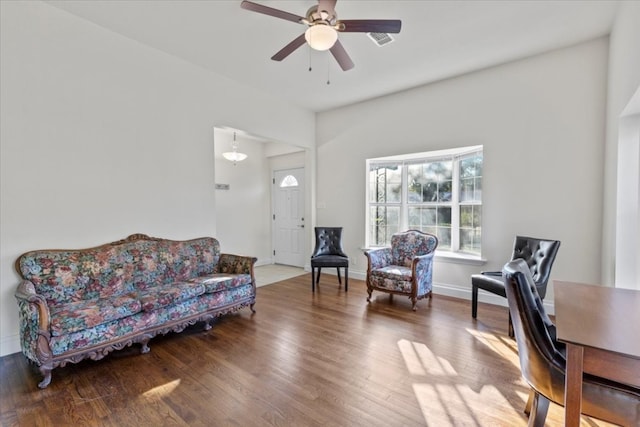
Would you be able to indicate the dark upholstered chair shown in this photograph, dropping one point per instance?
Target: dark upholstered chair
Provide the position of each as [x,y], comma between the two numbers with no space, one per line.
[539,255]
[329,253]
[543,359]
[406,268]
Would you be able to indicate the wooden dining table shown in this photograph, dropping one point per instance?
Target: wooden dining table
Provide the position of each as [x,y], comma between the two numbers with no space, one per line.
[601,327]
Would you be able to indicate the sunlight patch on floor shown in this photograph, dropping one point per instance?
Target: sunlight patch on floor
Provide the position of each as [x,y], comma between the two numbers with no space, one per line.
[421,361]
[442,391]
[161,390]
[459,402]
[505,347]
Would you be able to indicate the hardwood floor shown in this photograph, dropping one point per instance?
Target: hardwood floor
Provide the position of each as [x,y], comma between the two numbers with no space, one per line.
[303,359]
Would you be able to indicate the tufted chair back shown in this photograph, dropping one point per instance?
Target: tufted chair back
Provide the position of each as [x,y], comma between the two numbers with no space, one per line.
[328,242]
[539,254]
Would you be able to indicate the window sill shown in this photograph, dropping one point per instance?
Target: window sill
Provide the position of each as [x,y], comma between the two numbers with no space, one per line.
[459,258]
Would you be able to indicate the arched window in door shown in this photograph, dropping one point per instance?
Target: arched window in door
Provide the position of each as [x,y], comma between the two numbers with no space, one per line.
[289,181]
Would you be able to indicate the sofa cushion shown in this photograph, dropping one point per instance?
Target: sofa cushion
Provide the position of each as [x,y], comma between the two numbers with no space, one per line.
[221,281]
[164,295]
[78,315]
[391,277]
[395,272]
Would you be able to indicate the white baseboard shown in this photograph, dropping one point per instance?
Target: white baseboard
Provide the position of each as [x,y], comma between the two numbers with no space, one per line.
[10,345]
[455,291]
[266,261]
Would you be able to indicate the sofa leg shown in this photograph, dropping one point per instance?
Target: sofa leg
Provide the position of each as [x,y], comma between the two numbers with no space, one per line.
[46,373]
[145,348]
[414,301]
[253,310]
[369,291]
[207,325]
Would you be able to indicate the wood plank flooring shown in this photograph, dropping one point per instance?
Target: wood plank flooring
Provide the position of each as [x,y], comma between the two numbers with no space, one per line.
[303,359]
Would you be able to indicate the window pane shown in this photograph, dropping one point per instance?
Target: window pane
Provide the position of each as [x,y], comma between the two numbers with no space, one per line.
[385,220]
[430,182]
[470,240]
[466,216]
[471,178]
[467,189]
[444,238]
[439,171]
[444,191]
[470,228]
[444,216]
[471,166]
[417,183]
[385,184]
[477,217]
[421,217]
[478,190]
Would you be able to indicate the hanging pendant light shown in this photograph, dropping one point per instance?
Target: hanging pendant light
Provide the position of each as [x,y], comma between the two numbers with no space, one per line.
[234,155]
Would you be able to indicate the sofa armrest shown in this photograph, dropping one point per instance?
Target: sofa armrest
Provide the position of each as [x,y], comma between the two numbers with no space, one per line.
[34,322]
[379,257]
[236,264]
[422,272]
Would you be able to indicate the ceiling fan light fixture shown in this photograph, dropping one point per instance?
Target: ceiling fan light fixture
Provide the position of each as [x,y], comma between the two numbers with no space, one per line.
[321,36]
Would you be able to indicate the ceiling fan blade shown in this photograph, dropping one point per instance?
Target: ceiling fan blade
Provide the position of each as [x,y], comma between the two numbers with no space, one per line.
[255,7]
[288,49]
[370,25]
[341,56]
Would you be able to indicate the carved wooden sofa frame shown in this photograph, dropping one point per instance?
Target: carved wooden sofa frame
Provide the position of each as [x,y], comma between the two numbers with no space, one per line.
[61,289]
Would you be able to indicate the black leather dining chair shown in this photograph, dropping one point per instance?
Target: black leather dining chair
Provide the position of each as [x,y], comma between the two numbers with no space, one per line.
[543,359]
[328,252]
[539,255]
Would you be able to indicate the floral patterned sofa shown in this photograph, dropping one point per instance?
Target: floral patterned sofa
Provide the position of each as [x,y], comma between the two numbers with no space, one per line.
[78,304]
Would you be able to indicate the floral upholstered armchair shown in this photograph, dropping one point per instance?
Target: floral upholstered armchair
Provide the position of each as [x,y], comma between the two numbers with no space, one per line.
[406,268]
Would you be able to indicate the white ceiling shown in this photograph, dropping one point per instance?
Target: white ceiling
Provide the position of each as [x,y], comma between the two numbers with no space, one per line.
[439,39]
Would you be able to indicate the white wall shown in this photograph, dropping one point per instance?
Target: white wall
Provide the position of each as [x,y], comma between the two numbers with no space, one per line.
[102,137]
[624,82]
[541,121]
[242,211]
[628,202]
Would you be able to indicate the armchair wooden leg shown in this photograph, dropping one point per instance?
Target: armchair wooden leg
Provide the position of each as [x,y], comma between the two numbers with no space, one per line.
[313,279]
[339,279]
[346,279]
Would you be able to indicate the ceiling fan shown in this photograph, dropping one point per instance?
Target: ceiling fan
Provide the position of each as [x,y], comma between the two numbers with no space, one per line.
[323,28]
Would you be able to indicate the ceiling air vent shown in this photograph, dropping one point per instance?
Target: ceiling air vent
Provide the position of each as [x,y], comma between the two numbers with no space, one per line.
[380,38]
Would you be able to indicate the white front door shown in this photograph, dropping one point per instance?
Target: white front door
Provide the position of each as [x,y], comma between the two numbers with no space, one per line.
[288,217]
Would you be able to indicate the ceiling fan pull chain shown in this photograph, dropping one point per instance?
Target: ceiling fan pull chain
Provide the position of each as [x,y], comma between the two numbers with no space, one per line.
[328,70]
[309,50]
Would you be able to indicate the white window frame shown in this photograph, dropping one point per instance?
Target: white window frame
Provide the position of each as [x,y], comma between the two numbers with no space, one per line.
[404,160]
